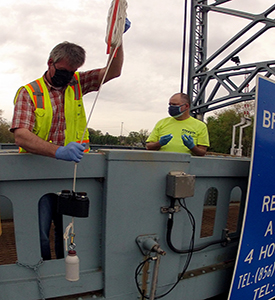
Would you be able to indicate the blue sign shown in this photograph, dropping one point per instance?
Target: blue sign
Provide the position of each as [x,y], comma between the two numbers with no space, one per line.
[254,274]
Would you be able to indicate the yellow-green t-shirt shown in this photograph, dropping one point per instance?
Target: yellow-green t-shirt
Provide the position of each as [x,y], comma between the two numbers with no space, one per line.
[191,126]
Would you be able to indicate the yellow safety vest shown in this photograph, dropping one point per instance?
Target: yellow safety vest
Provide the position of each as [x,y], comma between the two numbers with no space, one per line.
[74,112]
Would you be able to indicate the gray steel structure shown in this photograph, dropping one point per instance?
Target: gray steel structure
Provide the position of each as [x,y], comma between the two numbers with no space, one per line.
[128,197]
[202,77]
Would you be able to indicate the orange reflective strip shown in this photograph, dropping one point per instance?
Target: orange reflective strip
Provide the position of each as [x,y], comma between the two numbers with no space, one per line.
[34,96]
[76,88]
[41,90]
[87,144]
[73,86]
[84,141]
[30,86]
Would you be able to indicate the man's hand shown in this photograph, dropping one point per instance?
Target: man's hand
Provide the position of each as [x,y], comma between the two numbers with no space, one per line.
[188,141]
[165,139]
[72,152]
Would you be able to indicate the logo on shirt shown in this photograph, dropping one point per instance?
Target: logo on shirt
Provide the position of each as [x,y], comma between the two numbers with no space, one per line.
[187,132]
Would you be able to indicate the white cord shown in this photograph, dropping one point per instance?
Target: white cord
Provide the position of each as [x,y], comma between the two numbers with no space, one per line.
[99,89]
[92,109]
[67,235]
[115,38]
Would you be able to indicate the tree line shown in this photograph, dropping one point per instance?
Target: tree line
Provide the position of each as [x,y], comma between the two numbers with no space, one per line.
[5,135]
[220,128]
[219,125]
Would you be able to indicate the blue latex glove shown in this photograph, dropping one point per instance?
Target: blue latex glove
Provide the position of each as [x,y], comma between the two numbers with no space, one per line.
[188,141]
[127,25]
[72,152]
[165,139]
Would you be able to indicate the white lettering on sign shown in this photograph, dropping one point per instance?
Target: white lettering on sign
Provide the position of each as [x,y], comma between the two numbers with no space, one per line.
[269,229]
[267,251]
[261,292]
[268,119]
[268,203]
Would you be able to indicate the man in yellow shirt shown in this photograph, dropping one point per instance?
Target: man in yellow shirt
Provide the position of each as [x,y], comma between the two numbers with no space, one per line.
[180,132]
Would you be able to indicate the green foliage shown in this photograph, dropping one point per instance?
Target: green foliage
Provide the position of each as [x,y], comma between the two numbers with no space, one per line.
[137,138]
[220,128]
[97,137]
[5,135]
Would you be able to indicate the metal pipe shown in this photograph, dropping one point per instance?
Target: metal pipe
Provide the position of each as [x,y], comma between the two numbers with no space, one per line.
[232,152]
[183,46]
[248,123]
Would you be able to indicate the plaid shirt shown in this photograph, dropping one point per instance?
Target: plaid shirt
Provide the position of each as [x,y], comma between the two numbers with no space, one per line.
[24,116]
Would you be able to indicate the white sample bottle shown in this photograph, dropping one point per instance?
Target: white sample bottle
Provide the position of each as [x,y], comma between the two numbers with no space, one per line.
[72,266]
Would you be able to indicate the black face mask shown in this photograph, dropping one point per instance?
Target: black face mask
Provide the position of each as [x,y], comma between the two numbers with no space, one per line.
[175,110]
[61,77]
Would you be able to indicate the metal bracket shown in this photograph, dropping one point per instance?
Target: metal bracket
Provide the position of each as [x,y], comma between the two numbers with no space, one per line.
[170,210]
[140,242]
[208,269]
[225,237]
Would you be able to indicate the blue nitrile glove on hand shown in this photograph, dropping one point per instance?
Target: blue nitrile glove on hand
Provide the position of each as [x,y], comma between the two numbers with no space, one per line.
[127,25]
[165,139]
[188,141]
[72,152]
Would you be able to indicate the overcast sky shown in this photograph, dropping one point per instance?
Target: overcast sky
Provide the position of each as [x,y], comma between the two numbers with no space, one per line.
[153,52]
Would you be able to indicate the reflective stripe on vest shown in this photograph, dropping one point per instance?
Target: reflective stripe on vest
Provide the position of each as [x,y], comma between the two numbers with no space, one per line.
[38,95]
[76,87]
[74,112]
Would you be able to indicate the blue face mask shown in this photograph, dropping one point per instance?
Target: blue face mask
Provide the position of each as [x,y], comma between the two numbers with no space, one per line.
[174,110]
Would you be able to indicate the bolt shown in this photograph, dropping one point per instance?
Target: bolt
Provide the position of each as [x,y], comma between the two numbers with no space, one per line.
[157,249]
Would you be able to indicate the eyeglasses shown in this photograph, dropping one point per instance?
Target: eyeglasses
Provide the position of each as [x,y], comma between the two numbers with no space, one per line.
[178,105]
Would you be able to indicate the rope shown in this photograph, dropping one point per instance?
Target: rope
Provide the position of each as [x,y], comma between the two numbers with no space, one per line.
[71,235]
[92,109]
[35,268]
[115,28]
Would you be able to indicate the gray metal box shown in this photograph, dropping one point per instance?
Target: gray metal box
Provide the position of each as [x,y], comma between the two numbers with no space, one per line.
[180,184]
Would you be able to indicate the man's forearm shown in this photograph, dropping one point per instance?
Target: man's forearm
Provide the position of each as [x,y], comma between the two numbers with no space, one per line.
[115,67]
[199,150]
[153,146]
[34,144]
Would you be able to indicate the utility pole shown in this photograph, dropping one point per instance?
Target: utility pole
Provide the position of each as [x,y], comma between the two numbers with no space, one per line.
[121,132]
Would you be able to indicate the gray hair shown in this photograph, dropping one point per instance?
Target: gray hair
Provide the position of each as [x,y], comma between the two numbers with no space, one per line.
[184,98]
[75,54]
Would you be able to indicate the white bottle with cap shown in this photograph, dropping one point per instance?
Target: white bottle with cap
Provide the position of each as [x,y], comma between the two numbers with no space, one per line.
[72,266]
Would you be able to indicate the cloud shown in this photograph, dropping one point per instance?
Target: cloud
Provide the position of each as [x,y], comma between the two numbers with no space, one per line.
[152,66]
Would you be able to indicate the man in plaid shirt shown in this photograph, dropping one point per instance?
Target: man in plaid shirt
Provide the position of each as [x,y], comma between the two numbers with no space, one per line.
[61,69]
[63,62]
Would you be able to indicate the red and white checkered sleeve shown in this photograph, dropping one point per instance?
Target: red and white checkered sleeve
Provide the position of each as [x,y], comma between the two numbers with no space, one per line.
[89,81]
[23,116]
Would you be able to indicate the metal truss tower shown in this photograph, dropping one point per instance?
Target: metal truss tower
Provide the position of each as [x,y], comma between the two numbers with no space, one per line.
[216,85]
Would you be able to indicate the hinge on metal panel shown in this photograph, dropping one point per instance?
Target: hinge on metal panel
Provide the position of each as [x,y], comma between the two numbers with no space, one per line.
[208,269]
